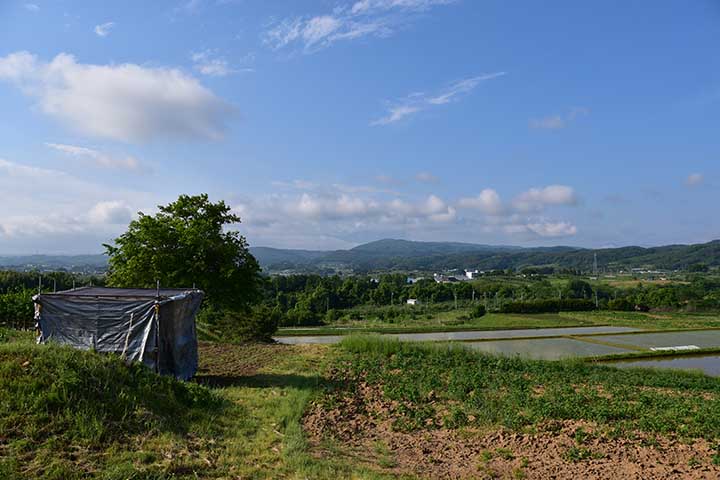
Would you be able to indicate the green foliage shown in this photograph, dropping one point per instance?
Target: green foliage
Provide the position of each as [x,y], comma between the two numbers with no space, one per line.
[621,305]
[549,306]
[258,323]
[578,289]
[698,267]
[16,309]
[477,311]
[487,390]
[399,255]
[185,244]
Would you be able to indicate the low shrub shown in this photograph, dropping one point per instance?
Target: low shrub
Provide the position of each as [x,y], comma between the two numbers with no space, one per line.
[549,306]
[477,311]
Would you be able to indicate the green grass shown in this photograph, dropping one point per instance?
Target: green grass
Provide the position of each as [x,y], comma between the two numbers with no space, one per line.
[483,390]
[61,408]
[16,336]
[649,320]
[68,414]
[443,323]
[457,320]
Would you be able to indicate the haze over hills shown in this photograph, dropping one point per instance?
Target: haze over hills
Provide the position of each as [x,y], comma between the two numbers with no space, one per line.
[77,263]
[392,254]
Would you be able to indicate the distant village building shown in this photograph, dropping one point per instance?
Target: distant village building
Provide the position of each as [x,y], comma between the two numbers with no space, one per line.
[440,278]
[413,301]
[470,274]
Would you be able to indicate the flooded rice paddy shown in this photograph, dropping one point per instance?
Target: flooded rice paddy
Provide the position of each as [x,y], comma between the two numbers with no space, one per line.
[572,342]
[467,335]
[708,364]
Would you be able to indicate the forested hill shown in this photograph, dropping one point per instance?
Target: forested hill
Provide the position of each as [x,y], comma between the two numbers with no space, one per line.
[73,263]
[391,254]
[409,255]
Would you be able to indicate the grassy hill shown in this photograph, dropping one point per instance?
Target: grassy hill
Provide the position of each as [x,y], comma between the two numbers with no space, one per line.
[65,413]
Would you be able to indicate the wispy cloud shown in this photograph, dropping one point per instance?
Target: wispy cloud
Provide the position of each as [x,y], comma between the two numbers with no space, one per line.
[31,7]
[363,18]
[103,30]
[209,63]
[99,158]
[694,180]
[417,102]
[558,121]
[426,177]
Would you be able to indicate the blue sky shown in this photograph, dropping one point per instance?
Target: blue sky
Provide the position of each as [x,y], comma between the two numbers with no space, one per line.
[325,124]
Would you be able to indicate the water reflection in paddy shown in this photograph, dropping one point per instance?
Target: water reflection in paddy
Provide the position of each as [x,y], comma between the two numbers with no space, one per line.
[466,335]
[708,364]
[546,348]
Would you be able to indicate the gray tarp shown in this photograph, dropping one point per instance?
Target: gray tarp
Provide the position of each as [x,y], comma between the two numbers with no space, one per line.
[155,327]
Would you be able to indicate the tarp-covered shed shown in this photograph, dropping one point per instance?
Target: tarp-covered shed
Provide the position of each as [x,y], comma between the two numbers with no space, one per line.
[152,326]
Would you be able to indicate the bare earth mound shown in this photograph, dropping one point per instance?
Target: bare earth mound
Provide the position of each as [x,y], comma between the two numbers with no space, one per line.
[362,425]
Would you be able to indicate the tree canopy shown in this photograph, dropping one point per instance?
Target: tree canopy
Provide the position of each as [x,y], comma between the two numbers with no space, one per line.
[187,243]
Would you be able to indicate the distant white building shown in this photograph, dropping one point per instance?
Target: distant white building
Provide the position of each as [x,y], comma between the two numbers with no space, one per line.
[413,301]
[470,274]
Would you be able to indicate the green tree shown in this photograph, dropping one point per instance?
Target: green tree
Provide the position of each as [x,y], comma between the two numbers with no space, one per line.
[186,243]
[578,289]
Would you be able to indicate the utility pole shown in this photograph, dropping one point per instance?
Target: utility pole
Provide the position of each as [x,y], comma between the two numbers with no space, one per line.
[595,267]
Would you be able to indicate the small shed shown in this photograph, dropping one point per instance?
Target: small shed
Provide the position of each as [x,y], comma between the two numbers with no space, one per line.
[413,301]
[152,326]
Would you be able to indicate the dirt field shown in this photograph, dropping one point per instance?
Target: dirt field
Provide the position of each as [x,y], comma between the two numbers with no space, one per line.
[360,427]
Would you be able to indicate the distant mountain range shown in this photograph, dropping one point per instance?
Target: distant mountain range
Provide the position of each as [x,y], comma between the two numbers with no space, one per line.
[74,263]
[389,254]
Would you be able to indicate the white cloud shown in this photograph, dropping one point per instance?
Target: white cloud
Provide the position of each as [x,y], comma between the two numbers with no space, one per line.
[110,212]
[124,102]
[417,102]
[488,202]
[536,199]
[550,229]
[57,212]
[99,158]
[348,21]
[694,179]
[558,121]
[31,7]
[103,30]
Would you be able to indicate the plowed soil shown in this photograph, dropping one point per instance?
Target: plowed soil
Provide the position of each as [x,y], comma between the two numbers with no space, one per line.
[361,424]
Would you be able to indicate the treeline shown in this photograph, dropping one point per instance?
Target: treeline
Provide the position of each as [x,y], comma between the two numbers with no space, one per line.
[314,299]
[18,288]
